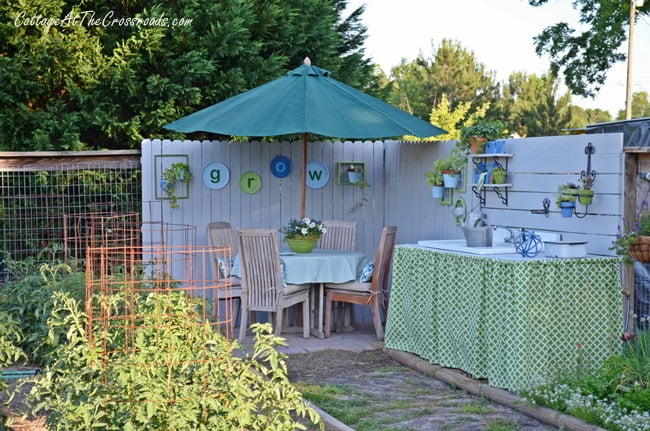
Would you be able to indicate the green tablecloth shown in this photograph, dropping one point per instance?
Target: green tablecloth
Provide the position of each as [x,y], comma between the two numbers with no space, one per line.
[512,321]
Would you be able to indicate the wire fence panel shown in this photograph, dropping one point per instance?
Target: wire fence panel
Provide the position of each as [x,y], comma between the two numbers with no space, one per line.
[53,204]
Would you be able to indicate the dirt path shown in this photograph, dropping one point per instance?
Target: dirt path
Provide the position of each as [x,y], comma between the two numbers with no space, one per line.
[371,391]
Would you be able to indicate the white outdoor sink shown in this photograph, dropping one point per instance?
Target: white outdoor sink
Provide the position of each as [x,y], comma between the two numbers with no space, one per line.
[460,245]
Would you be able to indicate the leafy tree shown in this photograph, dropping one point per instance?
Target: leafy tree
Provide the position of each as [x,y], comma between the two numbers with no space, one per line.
[77,85]
[597,115]
[451,70]
[454,120]
[585,57]
[532,106]
[640,106]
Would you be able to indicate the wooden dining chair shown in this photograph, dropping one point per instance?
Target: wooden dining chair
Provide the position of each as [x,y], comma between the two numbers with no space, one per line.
[372,293]
[263,288]
[340,235]
[220,235]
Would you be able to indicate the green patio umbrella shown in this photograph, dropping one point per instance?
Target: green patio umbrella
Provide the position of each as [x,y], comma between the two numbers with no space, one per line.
[306,100]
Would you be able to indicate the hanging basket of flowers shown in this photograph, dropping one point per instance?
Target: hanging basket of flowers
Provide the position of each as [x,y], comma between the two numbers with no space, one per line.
[640,250]
[636,243]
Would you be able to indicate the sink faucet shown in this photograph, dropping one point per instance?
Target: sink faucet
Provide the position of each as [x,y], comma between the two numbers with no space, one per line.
[511,238]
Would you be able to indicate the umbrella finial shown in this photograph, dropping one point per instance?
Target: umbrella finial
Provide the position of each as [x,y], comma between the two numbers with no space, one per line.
[307,61]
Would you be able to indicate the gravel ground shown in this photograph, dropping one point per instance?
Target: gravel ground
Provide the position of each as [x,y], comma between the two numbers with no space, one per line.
[395,397]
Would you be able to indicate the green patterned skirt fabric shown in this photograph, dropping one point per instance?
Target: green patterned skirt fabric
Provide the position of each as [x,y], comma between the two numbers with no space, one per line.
[513,322]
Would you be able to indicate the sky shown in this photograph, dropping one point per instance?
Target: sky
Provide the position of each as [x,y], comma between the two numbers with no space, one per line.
[499,33]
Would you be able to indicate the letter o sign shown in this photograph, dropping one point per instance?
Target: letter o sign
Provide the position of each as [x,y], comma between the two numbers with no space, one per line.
[280,166]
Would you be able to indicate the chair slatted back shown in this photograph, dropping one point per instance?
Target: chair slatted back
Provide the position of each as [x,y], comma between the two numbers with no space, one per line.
[340,235]
[220,235]
[384,259]
[259,253]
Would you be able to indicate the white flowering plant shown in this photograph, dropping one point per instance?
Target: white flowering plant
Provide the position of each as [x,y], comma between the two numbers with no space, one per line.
[303,229]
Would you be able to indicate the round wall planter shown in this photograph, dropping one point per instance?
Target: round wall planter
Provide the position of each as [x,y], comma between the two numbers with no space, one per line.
[567,208]
[585,196]
[641,250]
[450,180]
[437,192]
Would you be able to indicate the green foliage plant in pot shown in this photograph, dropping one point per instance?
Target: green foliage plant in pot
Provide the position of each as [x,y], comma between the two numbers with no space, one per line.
[586,193]
[435,180]
[177,172]
[451,168]
[499,175]
[566,199]
[474,137]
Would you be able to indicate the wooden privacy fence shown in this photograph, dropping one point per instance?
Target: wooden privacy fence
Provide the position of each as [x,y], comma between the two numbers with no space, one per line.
[398,193]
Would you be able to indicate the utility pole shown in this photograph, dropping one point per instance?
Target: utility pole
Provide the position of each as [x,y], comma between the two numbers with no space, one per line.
[630,47]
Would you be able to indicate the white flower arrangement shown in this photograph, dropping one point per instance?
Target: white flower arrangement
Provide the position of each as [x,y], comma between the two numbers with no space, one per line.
[303,229]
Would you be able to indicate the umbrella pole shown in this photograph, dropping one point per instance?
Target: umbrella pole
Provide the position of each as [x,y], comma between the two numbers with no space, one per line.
[303,182]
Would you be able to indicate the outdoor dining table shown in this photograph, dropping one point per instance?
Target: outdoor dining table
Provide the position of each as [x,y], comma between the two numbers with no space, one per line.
[515,321]
[318,267]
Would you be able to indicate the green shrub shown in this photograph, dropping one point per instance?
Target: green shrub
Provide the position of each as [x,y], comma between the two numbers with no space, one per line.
[177,374]
[28,300]
[616,396]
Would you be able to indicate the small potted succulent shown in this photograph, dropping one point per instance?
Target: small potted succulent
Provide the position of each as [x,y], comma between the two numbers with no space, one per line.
[435,180]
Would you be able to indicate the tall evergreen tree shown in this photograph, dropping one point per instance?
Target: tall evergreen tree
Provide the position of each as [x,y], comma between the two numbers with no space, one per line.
[418,85]
[79,84]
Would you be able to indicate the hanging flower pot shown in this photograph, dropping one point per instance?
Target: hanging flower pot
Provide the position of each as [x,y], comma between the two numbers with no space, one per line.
[451,179]
[438,191]
[566,208]
[585,197]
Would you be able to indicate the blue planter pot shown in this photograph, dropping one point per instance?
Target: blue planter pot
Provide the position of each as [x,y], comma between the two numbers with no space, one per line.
[451,180]
[438,192]
[567,208]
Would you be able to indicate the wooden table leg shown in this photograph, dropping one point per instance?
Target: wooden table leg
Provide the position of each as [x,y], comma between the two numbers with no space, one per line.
[316,299]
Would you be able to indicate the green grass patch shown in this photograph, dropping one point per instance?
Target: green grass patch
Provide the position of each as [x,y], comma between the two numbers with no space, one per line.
[478,408]
[502,425]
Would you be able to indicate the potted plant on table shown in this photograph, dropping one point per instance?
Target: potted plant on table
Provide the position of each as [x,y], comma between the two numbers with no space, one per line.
[301,234]
[473,138]
[435,180]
